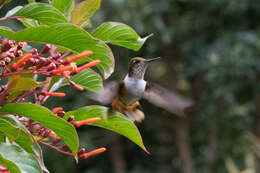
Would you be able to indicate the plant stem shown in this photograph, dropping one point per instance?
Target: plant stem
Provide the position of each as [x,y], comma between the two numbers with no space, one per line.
[56,148]
[7,18]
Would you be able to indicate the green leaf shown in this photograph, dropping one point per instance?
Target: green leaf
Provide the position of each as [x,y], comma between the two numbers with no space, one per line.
[65,6]
[2,137]
[119,34]
[15,131]
[116,122]
[29,22]
[31,1]
[56,83]
[44,116]
[83,11]
[12,167]
[13,11]
[88,79]
[17,160]
[68,36]
[17,85]
[44,13]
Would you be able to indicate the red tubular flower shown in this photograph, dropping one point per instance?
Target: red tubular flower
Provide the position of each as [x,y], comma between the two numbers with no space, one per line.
[92,153]
[81,55]
[87,121]
[76,86]
[52,134]
[25,58]
[62,69]
[56,110]
[53,94]
[88,65]
[3,169]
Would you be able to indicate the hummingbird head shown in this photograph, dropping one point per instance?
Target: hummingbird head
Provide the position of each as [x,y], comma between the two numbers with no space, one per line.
[137,67]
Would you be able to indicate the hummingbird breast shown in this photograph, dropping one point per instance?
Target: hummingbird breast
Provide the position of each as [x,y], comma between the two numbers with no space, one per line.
[134,89]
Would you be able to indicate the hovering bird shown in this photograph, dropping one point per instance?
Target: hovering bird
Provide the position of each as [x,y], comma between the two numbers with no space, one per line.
[124,96]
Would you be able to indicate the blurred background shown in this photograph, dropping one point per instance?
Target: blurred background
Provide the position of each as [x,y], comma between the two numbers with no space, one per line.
[210,52]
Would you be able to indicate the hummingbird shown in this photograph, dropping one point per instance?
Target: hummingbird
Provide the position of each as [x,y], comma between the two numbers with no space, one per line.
[124,96]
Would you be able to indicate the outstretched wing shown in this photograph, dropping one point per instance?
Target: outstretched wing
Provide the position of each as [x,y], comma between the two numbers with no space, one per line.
[169,100]
[107,95]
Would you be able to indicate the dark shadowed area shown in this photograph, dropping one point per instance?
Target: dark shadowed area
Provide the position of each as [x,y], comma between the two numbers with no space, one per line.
[210,52]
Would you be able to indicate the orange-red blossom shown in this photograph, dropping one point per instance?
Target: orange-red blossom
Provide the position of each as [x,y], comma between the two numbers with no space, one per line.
[56,110]
[86,121]
[92,153]
[25,58]
[88,65]
[78,56]
[53,94]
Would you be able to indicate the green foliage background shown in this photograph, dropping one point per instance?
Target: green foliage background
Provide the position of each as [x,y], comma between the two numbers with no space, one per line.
[210,52]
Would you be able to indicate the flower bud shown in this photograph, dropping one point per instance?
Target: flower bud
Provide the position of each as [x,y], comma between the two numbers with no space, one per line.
[61,114]
[5,45]
[71,118]
[81,151]
[11,43]
[56,140]
[56,56]
[21,44]
[7,60]
[2,63]
[57,110]
[46,48]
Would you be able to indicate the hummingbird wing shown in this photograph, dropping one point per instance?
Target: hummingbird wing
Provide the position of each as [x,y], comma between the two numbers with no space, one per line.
[107,95]
[169,100]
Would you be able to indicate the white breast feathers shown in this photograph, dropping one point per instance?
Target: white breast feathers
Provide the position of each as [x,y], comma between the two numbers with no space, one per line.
[135,86]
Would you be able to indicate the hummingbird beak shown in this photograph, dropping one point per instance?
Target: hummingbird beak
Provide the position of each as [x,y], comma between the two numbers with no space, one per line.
[153,59]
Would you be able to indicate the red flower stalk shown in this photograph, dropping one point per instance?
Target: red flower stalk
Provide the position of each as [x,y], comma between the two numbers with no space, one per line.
[25,58]
[81,55]
[87,121]
[53,94]
[88,65]
[92,153]
[56,110]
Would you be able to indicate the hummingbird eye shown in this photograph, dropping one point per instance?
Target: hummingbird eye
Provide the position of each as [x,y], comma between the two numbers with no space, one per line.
[135,61]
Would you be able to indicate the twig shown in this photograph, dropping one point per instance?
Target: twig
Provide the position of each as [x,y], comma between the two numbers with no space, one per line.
[56,148]
[7,18]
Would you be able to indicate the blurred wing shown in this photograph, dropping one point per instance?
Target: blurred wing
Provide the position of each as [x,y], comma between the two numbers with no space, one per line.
[107,95]
[169,100]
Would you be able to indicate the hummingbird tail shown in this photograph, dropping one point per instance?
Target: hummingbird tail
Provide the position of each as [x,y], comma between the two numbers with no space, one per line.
[135,115]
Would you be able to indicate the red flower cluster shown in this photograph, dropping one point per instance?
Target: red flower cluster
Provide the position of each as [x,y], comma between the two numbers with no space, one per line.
[35,63]
[48,62]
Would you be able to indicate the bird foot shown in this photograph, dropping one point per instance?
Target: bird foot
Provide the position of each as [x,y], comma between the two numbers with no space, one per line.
[132,106]
[117,105]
